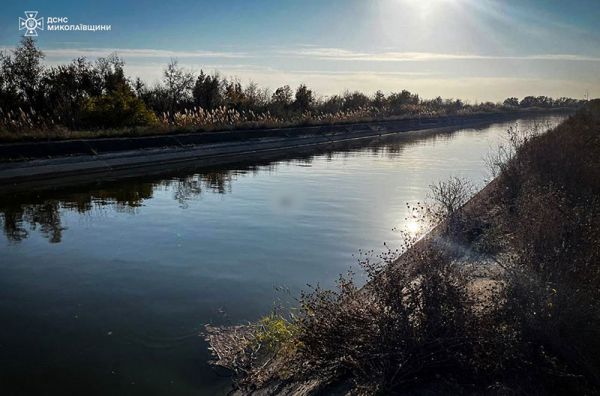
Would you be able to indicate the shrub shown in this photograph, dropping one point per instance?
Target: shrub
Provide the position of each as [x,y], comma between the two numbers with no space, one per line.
[275,332]
[120,108]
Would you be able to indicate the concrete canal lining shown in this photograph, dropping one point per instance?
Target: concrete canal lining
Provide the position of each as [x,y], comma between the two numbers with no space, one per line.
[46,162]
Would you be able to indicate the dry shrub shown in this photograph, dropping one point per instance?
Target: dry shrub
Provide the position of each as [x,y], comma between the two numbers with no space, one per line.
[404,327]
[450,195]
[550,215]
[411,326]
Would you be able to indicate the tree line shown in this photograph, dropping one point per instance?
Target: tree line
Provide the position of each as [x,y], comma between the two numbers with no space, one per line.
[93,95]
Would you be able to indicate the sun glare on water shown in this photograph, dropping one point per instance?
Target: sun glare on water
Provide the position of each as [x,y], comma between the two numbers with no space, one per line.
[413,227]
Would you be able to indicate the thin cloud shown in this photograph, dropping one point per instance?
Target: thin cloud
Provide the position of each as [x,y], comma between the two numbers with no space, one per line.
[340,54]
[308,52]
[136,53]
[363,72]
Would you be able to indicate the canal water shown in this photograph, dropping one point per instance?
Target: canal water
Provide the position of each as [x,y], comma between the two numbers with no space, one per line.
[105,288]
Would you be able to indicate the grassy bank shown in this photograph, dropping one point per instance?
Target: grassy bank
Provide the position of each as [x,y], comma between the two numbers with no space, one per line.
[502,299]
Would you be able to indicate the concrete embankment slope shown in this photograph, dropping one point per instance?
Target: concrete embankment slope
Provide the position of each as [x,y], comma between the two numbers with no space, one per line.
[43,161]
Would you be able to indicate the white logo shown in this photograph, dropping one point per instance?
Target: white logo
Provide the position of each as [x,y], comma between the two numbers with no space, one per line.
[31,23]
[60,24]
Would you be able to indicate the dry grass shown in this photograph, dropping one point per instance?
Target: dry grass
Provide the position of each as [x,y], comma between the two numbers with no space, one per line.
[25,126]
[17,126]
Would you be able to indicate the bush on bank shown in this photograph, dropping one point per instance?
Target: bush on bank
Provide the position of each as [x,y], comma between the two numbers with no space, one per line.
[116,109]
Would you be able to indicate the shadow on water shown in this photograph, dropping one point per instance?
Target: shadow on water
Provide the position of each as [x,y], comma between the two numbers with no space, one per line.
[40,210]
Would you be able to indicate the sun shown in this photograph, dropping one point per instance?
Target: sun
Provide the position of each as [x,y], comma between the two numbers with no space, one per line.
[425,8]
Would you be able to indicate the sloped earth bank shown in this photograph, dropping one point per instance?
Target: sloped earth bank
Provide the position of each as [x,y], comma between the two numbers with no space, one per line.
[532,235]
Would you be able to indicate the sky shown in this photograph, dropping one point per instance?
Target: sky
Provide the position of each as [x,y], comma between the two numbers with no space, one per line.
[476,50]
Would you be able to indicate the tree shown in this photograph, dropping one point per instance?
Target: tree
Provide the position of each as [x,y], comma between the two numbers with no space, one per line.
[66,89]
[234,94]
[21,75]
[355,100]
[110,70]
[27,68]
[157,99]
[82,94]
[397,101]
[207,91]
[283,95]
[453,106]
[139,87]
[281,100]
[9,95]
[528,101]
[304,98]
[178,83]
[511,102]
[379,100]
[333,104]
[256,97]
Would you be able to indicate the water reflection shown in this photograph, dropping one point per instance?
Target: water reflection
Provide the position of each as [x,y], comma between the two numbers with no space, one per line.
[44,215]
[24,212]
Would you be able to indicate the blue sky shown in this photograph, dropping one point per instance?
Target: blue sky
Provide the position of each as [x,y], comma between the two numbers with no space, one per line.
[473,49]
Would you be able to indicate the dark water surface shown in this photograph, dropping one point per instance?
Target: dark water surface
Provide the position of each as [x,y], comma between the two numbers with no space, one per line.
[104,288]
